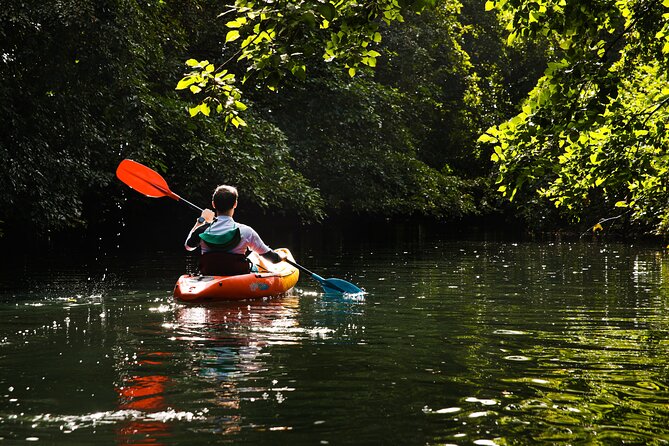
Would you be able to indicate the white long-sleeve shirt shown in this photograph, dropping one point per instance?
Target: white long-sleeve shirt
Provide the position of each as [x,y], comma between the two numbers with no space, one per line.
[249,237]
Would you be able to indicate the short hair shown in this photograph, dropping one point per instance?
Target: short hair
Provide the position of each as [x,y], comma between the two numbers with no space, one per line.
[224,198]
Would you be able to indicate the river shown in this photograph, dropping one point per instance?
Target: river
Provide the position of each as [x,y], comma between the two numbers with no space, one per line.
[479,341]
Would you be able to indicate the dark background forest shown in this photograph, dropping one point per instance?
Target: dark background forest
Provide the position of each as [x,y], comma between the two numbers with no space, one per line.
[86,84]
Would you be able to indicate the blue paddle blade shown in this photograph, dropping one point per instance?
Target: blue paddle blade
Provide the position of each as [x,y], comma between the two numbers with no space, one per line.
[331,286]
[340,286]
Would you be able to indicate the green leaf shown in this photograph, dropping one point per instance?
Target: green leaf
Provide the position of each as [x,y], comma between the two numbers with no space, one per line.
[622,204]
[513,193]
[235,121]
[593,158]
[500,154]
[351,71]
[309,18]
[231,36]
[185,83]
[377,37]
[299,71]
[327,10]
[240,106]
[486,138]
[237,23]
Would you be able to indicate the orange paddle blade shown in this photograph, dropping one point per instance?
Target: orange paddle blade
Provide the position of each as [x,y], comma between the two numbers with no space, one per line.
[144,180]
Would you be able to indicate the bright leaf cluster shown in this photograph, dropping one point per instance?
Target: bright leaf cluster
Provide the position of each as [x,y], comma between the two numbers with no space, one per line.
[205,77]
[273,39]
[592,135]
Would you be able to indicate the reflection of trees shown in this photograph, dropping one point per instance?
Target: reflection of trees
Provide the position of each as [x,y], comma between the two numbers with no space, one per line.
[568,338]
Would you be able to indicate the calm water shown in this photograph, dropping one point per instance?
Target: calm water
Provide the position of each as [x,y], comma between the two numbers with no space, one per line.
[457,343]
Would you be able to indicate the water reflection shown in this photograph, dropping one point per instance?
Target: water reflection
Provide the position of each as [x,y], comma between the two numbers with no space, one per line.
[573,349]
[144,394]
[226,347]
[457,343]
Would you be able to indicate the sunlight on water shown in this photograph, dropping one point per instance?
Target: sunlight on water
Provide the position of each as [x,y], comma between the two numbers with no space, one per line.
[69,423]
[455,343]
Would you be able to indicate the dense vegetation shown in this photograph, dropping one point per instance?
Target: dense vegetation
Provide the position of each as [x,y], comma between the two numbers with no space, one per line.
[592,135]
[314,109]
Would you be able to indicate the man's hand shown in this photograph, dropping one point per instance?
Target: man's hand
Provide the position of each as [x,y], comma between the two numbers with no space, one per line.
[208,215]
[275,256]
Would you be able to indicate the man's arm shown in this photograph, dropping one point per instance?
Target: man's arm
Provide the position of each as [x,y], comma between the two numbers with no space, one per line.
[202,223]
[274,256]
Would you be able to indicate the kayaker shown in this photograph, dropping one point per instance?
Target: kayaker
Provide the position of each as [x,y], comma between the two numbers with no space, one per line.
[225,243]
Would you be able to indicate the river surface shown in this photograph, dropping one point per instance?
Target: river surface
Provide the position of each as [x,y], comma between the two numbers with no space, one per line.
[457,342]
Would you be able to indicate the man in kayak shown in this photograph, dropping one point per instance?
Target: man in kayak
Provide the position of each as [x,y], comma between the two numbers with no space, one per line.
[225,243]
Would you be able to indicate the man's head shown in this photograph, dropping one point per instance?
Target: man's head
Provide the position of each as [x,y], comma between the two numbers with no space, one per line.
[224,199]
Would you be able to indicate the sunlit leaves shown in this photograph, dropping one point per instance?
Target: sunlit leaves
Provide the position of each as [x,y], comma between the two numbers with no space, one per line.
[592,134]
[204,78]
[231,36]
[275,39]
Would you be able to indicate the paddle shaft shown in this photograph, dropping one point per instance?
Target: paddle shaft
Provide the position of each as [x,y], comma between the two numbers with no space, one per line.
[312,274]
[316,277]
[190,204]
[169,193]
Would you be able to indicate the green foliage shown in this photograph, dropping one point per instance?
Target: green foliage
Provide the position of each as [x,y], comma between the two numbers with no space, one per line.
[388,142]
[457,77]
[591,137]
[359,151]
[86,84]
[272,40]
[204,74]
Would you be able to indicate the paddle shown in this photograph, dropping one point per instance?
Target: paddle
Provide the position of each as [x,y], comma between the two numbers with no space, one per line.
[328,285]
[150,183]
[147,181]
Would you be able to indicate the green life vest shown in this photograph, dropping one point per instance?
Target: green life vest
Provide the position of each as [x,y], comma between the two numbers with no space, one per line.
[222,242]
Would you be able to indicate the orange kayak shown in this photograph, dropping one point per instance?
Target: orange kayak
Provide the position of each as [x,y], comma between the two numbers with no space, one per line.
[272,279]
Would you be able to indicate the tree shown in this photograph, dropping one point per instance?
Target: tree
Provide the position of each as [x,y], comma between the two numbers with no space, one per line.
[270,40]
[86,84]
[591,137]
[360,152]
[397,137]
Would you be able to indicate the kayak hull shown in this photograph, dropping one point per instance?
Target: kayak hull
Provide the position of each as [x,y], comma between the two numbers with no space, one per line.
[271,280]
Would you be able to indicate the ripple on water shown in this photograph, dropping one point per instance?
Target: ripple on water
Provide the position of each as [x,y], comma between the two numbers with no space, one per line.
[517,358]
